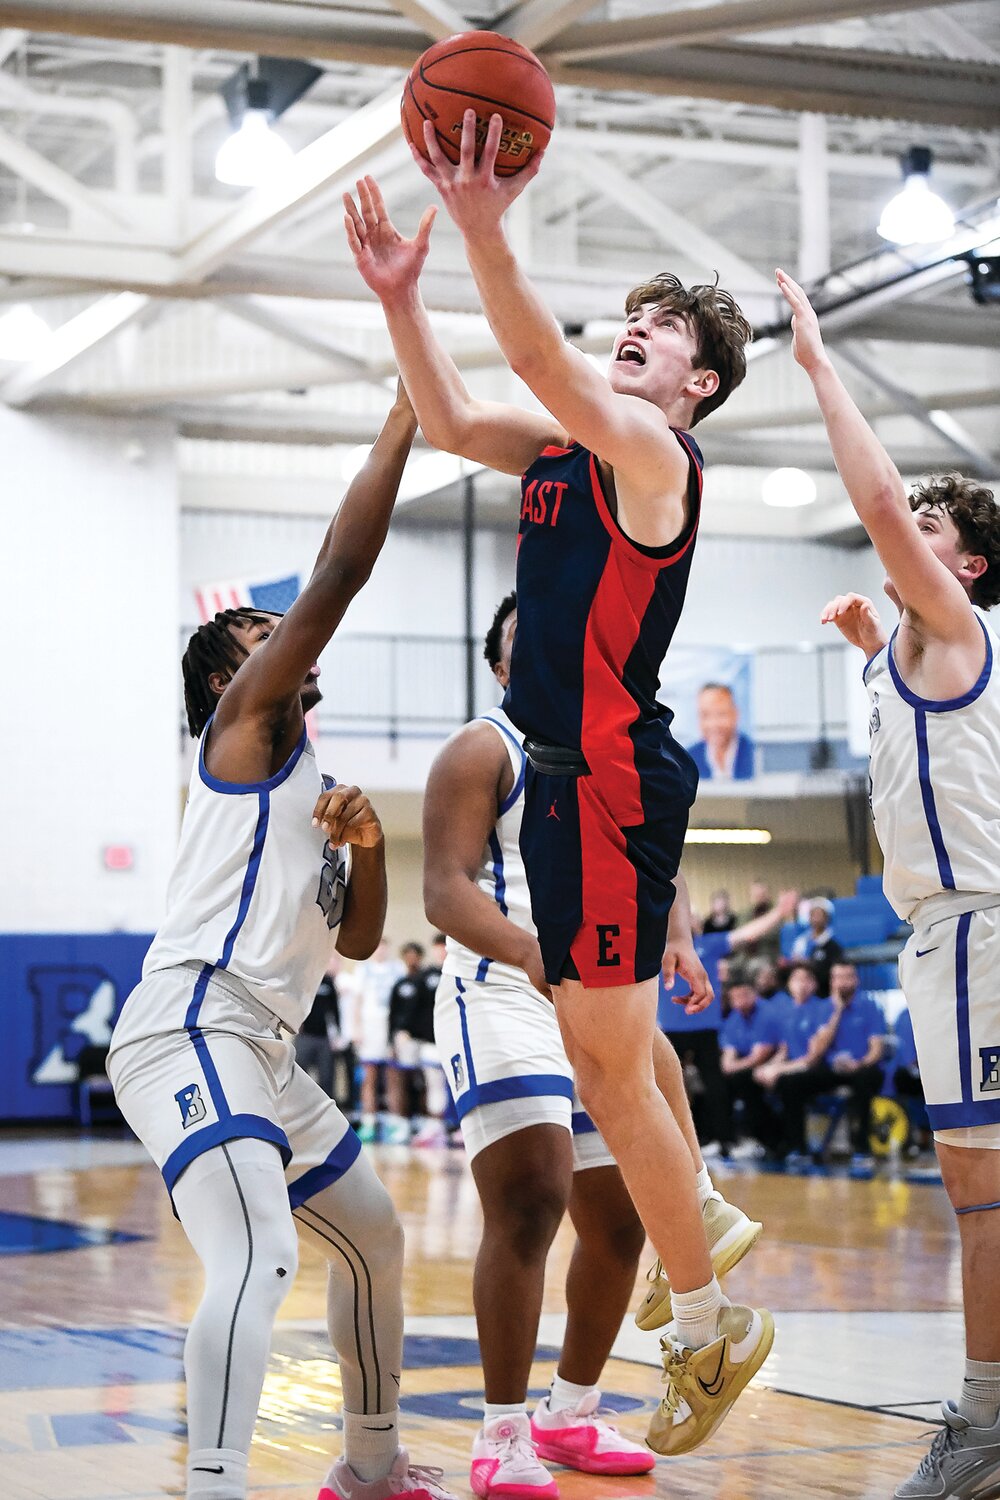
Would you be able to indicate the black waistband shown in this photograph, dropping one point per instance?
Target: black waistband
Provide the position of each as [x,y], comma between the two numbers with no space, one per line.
[555,760]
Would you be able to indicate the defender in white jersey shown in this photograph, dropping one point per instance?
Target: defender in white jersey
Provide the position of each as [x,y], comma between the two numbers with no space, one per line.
[534,1151]
[274,860]
[935,792]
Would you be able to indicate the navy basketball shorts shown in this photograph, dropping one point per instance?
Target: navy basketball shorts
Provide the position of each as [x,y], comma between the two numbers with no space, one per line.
[600,893]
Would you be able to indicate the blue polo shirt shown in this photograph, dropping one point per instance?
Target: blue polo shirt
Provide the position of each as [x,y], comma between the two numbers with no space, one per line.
[744,1033]
[710,947]
[862,1020]
[906,1051]
[798,1024]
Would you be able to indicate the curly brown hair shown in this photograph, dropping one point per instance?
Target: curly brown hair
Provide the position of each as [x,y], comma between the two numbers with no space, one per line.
[717,322]
[976,515]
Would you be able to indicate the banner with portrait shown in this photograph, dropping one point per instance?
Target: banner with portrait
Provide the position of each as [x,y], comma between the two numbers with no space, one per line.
[710,689]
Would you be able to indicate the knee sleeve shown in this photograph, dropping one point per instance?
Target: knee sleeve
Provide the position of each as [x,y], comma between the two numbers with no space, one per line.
[233,1205]
[354,1224]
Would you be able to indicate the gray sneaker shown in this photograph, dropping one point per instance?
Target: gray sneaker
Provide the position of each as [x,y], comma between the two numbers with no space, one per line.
[961,1460]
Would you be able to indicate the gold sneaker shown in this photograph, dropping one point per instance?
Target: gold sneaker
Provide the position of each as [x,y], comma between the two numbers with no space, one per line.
[702,1384]
[730,1235]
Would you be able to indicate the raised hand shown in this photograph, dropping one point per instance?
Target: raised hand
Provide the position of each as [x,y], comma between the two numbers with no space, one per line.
[388,262]
[858,621]
[475,197]
[346,816]
[807,341]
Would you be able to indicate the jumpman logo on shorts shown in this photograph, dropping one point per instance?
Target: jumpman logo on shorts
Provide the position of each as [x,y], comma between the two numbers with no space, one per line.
[553,814]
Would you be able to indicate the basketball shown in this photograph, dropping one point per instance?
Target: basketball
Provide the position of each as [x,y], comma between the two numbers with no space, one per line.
[492,75]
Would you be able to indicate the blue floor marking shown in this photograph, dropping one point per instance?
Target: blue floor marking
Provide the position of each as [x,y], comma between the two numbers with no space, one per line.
[26,1234]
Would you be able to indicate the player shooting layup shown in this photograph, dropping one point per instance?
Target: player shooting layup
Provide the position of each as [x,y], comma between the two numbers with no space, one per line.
[612,485]
[935,791]
[202,1060]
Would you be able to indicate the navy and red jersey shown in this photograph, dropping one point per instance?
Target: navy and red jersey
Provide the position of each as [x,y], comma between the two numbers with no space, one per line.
[596,612]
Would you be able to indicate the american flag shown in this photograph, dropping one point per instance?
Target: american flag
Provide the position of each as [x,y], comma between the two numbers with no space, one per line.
[275,594]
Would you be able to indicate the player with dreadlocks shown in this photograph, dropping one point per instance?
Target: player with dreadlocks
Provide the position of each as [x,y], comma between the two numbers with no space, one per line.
[273,859]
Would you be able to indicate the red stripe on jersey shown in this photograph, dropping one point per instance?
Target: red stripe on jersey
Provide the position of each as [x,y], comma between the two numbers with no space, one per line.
[658,561]
[609,894]
[613,624]
[554,451]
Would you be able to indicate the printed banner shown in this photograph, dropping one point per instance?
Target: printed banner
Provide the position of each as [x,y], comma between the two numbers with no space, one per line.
[277,594]
[710,689]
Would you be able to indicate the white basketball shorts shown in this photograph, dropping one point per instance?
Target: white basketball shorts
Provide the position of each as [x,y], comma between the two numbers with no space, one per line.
[506,1066]
[950,974]
[196,1062]
[410,1052]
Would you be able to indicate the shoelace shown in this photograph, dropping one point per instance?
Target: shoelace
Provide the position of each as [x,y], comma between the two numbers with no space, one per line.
[426,1477]
[945,1442]
[518,1446]
[655,1272]
[673,1367]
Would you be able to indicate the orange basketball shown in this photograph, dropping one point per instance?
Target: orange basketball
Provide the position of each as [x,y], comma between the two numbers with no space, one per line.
[488,73]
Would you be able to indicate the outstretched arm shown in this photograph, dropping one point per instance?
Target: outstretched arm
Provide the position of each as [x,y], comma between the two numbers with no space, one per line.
[782,911]
[928,592]
[260,714]
[461,804]
[488,432]
[626,431]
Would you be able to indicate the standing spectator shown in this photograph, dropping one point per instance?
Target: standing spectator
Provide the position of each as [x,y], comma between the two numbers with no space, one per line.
[401,1003]
[749,1036]
[819,945]
[721,917]
[313,1051]
[761,902]
[341,1035]
[375,979]
[723,753]
[415,1049]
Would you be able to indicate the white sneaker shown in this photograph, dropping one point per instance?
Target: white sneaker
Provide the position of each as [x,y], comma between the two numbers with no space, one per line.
[711,1151]
[403,1478]
[748,1150]
[578,1437]
[504,1462]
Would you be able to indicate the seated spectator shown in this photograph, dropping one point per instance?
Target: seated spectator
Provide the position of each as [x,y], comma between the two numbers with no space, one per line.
[761,902]
[763,974]
[696,1038]
[906,1080]
[721,917]
[749,1036]
[819,945]
[828,1044]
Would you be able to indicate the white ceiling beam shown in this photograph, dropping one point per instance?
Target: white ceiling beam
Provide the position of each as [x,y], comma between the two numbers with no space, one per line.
[693,25]
[733,419]
[176,109]
[43,174]
[940,31]
[10,40]
[347,361]
[336,157]
[122,123]
[814,199]
[672,228]
[70,343]
[974,458]
[435,17]
[539,20]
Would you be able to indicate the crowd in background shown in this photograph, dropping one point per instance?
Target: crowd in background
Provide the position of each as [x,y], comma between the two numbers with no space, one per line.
[786,1036]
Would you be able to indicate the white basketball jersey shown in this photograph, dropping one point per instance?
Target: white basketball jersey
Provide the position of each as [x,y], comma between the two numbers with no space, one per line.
[935,783]
[255,889]
[501,874]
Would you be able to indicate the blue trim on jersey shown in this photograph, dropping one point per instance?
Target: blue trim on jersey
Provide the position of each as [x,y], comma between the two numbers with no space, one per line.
[483,970]
[582,1123]
[962,1005]
[241,788]
[343,1156]
[526,1086]
[499,881]
[250,877]
[470,1067]
[868,663]
[930,806]
[518,786]
[954,1116]
[200,1044]
[234,1127]
[943,705]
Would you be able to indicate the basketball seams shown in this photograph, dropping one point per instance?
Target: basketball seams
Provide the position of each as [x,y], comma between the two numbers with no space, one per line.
[443,140]
[500,104]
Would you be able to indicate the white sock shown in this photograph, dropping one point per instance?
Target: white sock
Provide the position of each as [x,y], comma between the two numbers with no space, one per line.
[371,1442]
[696,1314]
[703,1184]
[564,1395]
[980,1399]
[216,1474]
[515,1409]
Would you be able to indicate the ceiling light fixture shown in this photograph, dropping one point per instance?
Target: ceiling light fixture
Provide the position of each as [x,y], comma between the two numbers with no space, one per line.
[253,154]
[727,836]
[916,215]
[788,488]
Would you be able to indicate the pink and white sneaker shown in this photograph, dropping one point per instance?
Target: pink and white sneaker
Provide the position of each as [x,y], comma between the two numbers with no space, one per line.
[504,1462]
[578,1437]
[403,1478]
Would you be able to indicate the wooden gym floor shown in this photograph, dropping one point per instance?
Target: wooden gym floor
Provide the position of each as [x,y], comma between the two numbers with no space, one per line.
[98,1283]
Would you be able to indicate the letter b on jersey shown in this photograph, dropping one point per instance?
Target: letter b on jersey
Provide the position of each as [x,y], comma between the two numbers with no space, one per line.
[191,1105]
